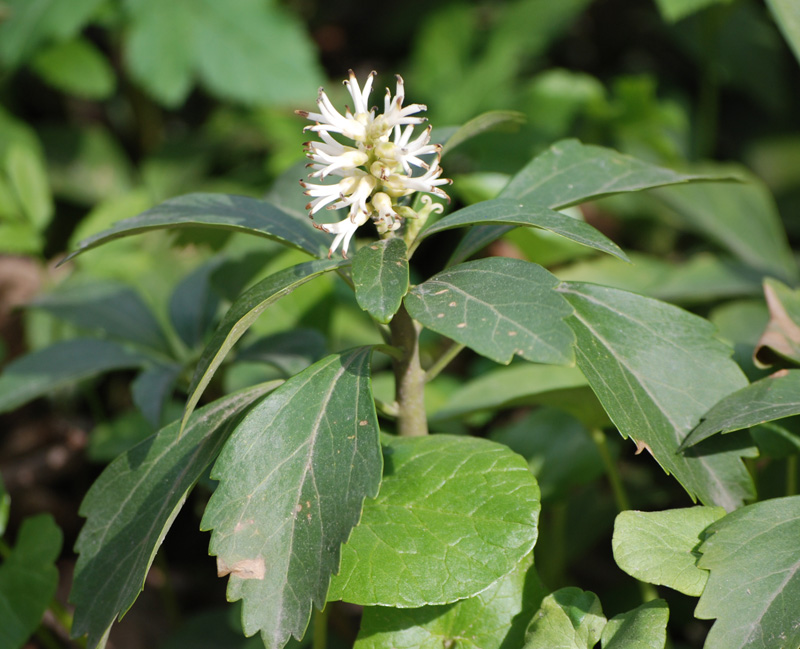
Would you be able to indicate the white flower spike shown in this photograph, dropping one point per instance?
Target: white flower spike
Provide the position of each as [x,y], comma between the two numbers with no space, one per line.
[377,168]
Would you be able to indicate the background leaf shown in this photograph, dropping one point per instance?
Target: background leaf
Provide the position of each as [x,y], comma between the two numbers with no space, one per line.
[645,627]
[131,506]
[152,389]
[498,307]
[656,369]
[380,275]
[466,503]
[194,303]
[661,547]
[291,352]
[568,619]
[780,339]
[28,579]
[293,479]
[787,15]
[675,10]
[754,586]
[493,619]
[48,369]
[76,67]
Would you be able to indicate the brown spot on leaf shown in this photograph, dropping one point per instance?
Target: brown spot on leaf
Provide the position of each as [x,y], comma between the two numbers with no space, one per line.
[363,422]
[452,304]
[444,290]
[642,446]
[244,569]
[781,338]
[461,325]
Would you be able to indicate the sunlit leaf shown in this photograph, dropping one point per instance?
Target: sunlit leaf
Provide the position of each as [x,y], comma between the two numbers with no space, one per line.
[657,369]
[499,307]
[132,505]
[645,627]
[380,275]
[661,547]
[568,619]
[754,586]
[292,483]
[465,503]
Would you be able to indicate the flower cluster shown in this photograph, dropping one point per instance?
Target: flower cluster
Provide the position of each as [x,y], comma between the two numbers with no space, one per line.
[377,169]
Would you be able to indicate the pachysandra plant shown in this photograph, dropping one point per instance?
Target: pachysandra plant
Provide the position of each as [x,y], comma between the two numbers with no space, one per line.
[326,493]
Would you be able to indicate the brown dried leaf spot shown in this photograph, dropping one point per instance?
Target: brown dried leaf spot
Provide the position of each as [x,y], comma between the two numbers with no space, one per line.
[244,569]
[781,338]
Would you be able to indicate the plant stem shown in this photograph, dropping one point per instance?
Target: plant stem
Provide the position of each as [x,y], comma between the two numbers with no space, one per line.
[443,361]
[320,637]
[791,475]
[409,376]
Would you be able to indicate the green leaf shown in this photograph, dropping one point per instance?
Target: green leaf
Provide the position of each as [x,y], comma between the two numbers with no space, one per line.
[569,173]
[493,619]
[568,619]
[291,351]
[243,313]
[5,507]
[781,337]
[76,67]
[250,52]
[774,397]
[293,479]
[754,586]
[380,275]
[645,627]
[661,547]
[657,369]
[484,122]
[132,505]
[194,303]
[465,503]
[517,212]
[224,211]
[675,10]
[28,579]
[787,15]
[741,217]
[498,307]
[109,307]
[48,369]
[151,391]
[34,23]
[28,176]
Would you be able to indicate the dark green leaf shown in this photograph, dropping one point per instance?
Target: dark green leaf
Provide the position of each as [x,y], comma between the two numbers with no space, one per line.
[754,586]
[224,211]
[787,15]
[493,619]
[76,67]
[773,397]
[516,212]
[568,619]
[131,506]
[291,352]
[657,369]
[380,275]
[110,307]
[293,479]
[151,390]
[661,547]
[244,312]
[484,122]
[193,304]
[499,307]
[41,372]
[674,10]
[28,579]
[645,627]
[569,173]
[465,503]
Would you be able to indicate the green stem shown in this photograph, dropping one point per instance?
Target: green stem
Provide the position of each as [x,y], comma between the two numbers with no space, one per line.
[791,475]
[320,638]
[5,550]
[443,361]
[409,376]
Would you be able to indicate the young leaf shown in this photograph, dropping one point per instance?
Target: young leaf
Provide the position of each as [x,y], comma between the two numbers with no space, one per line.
[111,307]
[243,313]
[28,579]
[224,211]
[293,479]
[773,397]
[657,369]
[493,619]
[520,212]
[645,627]
[453,515]
[661,547]
[131,506]
[754,586]
[380,275]
[781,338]
[568,619]
[569,173]
[499,307]
[48,369]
